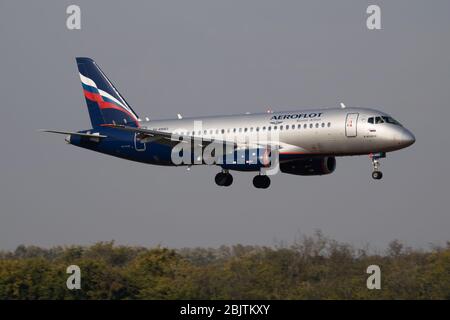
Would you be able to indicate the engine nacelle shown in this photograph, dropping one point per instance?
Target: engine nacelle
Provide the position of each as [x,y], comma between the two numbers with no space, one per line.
[310,166]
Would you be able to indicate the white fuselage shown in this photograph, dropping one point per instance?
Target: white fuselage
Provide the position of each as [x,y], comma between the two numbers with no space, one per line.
[337,131]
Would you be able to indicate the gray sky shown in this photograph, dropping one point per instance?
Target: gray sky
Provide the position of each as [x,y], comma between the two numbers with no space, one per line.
[221,57]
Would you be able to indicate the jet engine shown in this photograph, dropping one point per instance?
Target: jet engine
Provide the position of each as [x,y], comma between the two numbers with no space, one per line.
[310,166]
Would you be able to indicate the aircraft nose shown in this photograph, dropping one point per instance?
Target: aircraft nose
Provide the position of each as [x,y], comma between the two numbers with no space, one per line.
[405,138]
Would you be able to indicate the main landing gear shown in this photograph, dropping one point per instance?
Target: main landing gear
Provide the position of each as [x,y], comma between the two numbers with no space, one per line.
[376,173]
[224,179]
[261,181]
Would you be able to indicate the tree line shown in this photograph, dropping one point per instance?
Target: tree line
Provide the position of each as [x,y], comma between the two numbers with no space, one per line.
[313,267]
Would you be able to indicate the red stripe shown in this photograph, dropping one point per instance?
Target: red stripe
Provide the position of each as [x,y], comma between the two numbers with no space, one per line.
[92,96]
[107,105]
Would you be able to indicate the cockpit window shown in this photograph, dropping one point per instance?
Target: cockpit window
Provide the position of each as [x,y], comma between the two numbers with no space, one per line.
[378,120]
[391,120]
[383,119]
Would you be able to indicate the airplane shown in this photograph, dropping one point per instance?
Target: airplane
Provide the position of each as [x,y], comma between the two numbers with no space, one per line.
[304,142]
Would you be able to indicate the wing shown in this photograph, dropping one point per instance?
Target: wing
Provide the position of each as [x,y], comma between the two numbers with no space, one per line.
[148,135]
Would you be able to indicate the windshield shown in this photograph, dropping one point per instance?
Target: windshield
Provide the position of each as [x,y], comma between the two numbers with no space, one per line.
[391,120]
[383,119]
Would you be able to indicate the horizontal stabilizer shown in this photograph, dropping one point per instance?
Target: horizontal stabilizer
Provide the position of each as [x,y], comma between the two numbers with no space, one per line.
[88,135]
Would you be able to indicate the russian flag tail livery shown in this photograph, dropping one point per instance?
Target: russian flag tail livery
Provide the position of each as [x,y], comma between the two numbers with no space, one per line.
[105,104]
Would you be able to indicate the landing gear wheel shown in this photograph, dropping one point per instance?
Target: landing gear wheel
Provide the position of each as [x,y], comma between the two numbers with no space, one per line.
[229,180]
[375,158]
[377,175]
[261,181]
[224,179]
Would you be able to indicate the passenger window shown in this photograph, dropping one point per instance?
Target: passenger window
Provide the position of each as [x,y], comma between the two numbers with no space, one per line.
[269,128]
[281,127]
[329,124]
[293,126]
[223,131]
[310,125]
[323,124]
[304,126]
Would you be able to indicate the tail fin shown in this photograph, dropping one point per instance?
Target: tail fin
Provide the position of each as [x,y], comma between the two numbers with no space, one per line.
[105,104]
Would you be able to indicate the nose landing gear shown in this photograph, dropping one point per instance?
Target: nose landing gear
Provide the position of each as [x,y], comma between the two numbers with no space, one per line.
[376,173]
[224,179]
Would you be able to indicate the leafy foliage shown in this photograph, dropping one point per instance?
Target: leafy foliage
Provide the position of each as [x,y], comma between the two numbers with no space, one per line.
[310,268]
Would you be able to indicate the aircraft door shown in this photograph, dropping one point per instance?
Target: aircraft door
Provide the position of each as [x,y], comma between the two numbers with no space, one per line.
[351,124]
[138,145]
